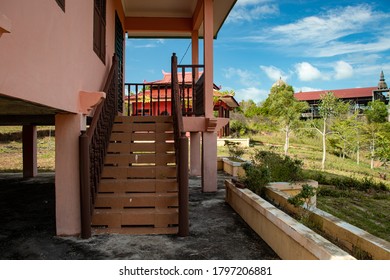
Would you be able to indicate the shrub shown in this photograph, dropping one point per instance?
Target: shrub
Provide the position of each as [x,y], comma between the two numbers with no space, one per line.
[304,196]
[268,167]
[280,168]
[235,150]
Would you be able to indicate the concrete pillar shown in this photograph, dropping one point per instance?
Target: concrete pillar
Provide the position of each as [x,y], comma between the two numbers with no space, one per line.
[29,138]
[195,158]
[209,162]
[67,179]
[195,137]
[209,139]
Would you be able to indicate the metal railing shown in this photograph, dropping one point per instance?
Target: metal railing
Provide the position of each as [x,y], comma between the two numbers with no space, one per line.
[93,146]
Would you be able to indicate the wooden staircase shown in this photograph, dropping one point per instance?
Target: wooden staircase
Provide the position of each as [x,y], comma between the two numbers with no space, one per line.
[138,192]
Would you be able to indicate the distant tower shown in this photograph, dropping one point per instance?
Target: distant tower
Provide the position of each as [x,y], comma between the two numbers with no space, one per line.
[382,84]
[279,83]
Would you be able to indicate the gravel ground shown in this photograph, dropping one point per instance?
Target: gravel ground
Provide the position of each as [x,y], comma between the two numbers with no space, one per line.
[27,229]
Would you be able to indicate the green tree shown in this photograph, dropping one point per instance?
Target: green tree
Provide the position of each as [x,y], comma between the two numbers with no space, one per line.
[383,146]
[285,109]
[347,135]
[329,108]
[376,115]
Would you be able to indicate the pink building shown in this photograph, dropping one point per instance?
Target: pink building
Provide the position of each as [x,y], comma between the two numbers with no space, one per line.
[57,68]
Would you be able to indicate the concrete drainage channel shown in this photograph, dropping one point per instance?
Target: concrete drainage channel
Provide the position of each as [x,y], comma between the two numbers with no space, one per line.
[292,240]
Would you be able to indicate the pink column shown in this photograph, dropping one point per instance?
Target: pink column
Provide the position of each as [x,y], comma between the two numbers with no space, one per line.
[67,174]
[195,155]
[195,158]
[29,138]
[209,139]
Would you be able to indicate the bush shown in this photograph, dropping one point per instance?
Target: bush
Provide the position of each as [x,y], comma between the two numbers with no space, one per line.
[280,168]
[268,167]
[235,149]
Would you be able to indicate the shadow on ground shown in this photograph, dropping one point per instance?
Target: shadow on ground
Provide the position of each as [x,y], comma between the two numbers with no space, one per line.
[27,229]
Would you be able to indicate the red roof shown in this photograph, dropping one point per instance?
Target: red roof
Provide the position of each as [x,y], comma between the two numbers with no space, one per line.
[168,78]
[348,93]
[187,79]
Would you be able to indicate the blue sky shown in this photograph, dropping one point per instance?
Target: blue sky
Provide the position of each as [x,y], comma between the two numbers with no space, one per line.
[312,45]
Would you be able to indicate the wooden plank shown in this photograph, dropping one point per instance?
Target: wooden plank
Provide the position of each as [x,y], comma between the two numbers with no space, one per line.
[114,172]
[136,230]
[104,218]
[119,127]
[135,185]
[119,148]
[127,159]
[164,147]
[136,200]
[143,147]
[164,127]
[138,185]
[143,127]
[165,172]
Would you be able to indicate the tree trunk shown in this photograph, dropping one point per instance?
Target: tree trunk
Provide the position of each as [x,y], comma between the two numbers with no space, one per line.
[372,153]
[287,140]
[323,146]
[358,154]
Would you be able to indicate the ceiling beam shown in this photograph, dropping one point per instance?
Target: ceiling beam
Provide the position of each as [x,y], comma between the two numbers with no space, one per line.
[158,24]
[197,17]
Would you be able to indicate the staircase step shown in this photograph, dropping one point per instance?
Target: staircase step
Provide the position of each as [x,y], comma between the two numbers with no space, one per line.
[140,147]
[138,185]
[134,172]
[129,137]
[136,230]
[129,159]
[136,200]
[153,217]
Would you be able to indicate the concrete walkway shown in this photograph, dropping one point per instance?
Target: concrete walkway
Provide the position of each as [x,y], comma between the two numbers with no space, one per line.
[27,229]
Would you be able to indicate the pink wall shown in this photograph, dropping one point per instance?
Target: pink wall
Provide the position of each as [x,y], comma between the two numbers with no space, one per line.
[48,57]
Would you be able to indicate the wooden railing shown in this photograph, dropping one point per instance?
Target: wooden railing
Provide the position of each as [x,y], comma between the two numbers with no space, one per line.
[93,146]
[154,99]
[191,94]
[181,147]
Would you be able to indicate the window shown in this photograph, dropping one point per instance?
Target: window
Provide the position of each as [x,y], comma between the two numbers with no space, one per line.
[61,3]
[99,29]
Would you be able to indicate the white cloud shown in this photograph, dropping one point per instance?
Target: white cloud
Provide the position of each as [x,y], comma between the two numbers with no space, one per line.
[342,70]
[307,72]
[250,2]
[351,29]
[306,89]
[336,23]
[244,77]
[256,94]
[249,10]
[274,73]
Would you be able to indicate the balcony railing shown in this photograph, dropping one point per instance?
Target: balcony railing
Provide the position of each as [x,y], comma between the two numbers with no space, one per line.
[154,99]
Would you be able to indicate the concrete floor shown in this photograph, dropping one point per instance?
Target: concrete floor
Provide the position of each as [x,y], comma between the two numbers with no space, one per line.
[27,229]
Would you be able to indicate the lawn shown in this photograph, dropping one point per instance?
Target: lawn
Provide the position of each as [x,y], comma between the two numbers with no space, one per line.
[11,149]
[367,208]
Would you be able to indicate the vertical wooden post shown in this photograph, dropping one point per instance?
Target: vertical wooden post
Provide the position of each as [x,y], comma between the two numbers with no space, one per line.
[29,137]
[85,190]
[183,186]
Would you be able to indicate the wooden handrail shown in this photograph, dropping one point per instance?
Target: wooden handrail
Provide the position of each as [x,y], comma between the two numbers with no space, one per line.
[93,147]
[181,147]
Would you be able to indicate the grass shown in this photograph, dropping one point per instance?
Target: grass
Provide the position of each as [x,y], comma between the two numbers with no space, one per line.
[353,192]
[11,149]
[368,211]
